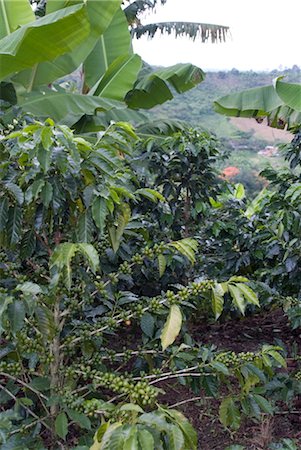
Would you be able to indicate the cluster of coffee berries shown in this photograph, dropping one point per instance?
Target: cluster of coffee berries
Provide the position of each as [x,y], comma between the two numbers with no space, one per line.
[232,359]
[297,376]
[155,304]
[172,298]
[13,368]
[137,259]
[125,268]
[30,344]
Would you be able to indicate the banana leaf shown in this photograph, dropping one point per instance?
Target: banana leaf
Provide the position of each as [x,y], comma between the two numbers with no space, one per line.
[63,107]
[43,39]
[99,16]
[280,103]
[156,87]
[14,14]
[120,77]
[114,42]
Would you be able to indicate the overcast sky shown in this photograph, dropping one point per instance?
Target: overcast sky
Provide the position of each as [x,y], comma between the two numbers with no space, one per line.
[265,34]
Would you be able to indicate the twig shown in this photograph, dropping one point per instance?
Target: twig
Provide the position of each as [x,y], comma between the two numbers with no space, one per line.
[194,399]
[26,408]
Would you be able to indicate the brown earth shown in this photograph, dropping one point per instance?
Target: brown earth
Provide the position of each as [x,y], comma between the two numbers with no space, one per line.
[239,335]
[261,130]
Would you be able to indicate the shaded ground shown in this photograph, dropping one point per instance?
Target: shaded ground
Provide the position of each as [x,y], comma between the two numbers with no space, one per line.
[239,335]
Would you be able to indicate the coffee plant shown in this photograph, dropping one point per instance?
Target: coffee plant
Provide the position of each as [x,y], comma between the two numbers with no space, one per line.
[68,296]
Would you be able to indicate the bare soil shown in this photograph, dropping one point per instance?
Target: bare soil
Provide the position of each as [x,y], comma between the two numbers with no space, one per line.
[246,334]
[261,130]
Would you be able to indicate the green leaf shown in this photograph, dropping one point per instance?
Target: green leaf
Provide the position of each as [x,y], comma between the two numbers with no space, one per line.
[28,244]
[29,288]
[63,107]
[264,405]
[229,413]
[146,440]
[3,213]
[61,425]
[16,191]
[13,14]
[248,293]
[217,299]
[172,326]
[239,191]
[289,93]
[114,42]
[156,87]
[91,254]
[161,264]
[150,194]
[220,367]
[47,194]
[176,438]
[16,315]
[119,78]
[186,247]
[147,324]
[99,15]
[131,443]
[47,137]
[43,39]
[238,298]
[84,228]
[14,225]
[99,212]
[80,418]
[5,301]
[131,407]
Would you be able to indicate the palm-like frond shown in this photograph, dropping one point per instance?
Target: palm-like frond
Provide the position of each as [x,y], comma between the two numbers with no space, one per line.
[137,7]
[205,31]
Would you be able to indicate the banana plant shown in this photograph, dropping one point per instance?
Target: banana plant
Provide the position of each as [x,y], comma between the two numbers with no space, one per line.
[280,103]
[91,38]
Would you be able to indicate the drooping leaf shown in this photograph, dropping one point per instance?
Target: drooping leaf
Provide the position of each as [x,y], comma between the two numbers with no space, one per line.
[153,89]
[13,14]
[161,264]
[119,78]
[5,301]
[99,212]
[61,425]
[176,438]
[3,213]
[62,106]
[289,93]
[217,300]
[99,15]
[172,327]
[238,298]
[186,247]
[206,32]
[229,413]
[14,225]
[29,288]
[84,228]
[114,42]
[16,315]
[146,440]
[43,39]
[147,323]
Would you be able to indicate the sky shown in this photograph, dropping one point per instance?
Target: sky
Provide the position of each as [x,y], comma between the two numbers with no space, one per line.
[265,35]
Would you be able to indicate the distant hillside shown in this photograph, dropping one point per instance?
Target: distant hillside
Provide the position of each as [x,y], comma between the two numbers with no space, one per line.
[242,139]
[196,106]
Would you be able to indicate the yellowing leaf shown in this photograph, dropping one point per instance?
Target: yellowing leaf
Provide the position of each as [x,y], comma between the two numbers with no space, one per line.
[172,326]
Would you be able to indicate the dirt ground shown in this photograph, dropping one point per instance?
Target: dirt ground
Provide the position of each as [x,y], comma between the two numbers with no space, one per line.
[261,130]
[239,335]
